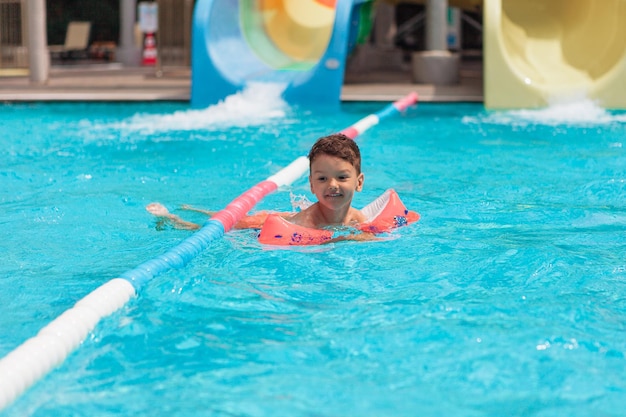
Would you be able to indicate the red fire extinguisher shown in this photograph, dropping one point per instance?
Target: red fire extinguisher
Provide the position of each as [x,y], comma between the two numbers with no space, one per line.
[149,50]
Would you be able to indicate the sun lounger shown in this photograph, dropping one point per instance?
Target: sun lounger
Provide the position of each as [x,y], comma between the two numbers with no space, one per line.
[76,41]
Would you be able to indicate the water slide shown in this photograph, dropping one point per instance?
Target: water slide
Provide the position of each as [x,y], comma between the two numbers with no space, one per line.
[540,52]
[302,44]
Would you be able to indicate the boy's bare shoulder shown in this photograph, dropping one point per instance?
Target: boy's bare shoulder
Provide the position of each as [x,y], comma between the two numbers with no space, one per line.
[310,217]
[305,217]
[357,216]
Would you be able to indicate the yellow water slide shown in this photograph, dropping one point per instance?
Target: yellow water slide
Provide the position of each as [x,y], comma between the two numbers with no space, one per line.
[537,52]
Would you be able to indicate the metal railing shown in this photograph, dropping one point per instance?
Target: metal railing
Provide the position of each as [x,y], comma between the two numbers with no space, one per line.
[174,33]
[13,34]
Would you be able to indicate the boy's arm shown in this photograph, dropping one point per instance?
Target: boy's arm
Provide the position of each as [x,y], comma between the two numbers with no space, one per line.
[252,221]
[197,210]
[358,236]
[159,210]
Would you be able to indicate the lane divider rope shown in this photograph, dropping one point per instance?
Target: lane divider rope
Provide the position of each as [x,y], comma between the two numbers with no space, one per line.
[34,358]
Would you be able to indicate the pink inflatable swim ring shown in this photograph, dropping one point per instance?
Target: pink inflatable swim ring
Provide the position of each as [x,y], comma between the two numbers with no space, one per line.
[385,213]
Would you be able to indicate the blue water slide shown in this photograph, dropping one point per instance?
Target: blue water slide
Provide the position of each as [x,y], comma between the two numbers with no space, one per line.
[236,42]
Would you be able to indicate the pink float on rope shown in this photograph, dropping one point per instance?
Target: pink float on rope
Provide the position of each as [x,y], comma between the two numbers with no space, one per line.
[373,119]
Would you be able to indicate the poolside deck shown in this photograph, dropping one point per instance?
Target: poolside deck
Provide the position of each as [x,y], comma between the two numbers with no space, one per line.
[112,82]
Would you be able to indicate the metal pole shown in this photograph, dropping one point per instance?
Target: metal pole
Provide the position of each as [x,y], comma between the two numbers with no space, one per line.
[39,58]
[436,21]
[128,53]
[157,36]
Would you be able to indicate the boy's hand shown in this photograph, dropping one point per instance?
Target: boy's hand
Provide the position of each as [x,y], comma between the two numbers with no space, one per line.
[157,209]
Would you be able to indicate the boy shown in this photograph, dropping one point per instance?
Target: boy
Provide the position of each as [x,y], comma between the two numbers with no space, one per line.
[335,175]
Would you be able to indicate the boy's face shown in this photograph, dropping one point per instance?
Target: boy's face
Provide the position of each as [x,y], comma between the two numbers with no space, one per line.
[334,181]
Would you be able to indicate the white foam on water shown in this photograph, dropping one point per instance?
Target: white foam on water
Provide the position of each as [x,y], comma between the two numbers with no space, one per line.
[575,112]
[255,105]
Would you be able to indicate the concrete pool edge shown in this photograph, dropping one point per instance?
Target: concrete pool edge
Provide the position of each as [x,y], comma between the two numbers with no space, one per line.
[96,83]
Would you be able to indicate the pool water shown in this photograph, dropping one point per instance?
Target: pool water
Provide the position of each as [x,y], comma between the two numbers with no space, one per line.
[507,298]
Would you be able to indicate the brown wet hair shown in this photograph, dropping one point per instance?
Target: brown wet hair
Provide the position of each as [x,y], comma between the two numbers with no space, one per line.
[337,145]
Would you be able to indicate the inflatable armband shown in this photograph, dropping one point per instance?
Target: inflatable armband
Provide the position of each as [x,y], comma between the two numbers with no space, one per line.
[385,213]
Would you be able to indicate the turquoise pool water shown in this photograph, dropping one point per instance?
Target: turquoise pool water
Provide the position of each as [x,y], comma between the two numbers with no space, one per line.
[507,298]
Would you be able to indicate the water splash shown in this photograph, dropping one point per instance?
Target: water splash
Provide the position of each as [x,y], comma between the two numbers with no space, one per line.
[580,112]
[256,105]
[299,202]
